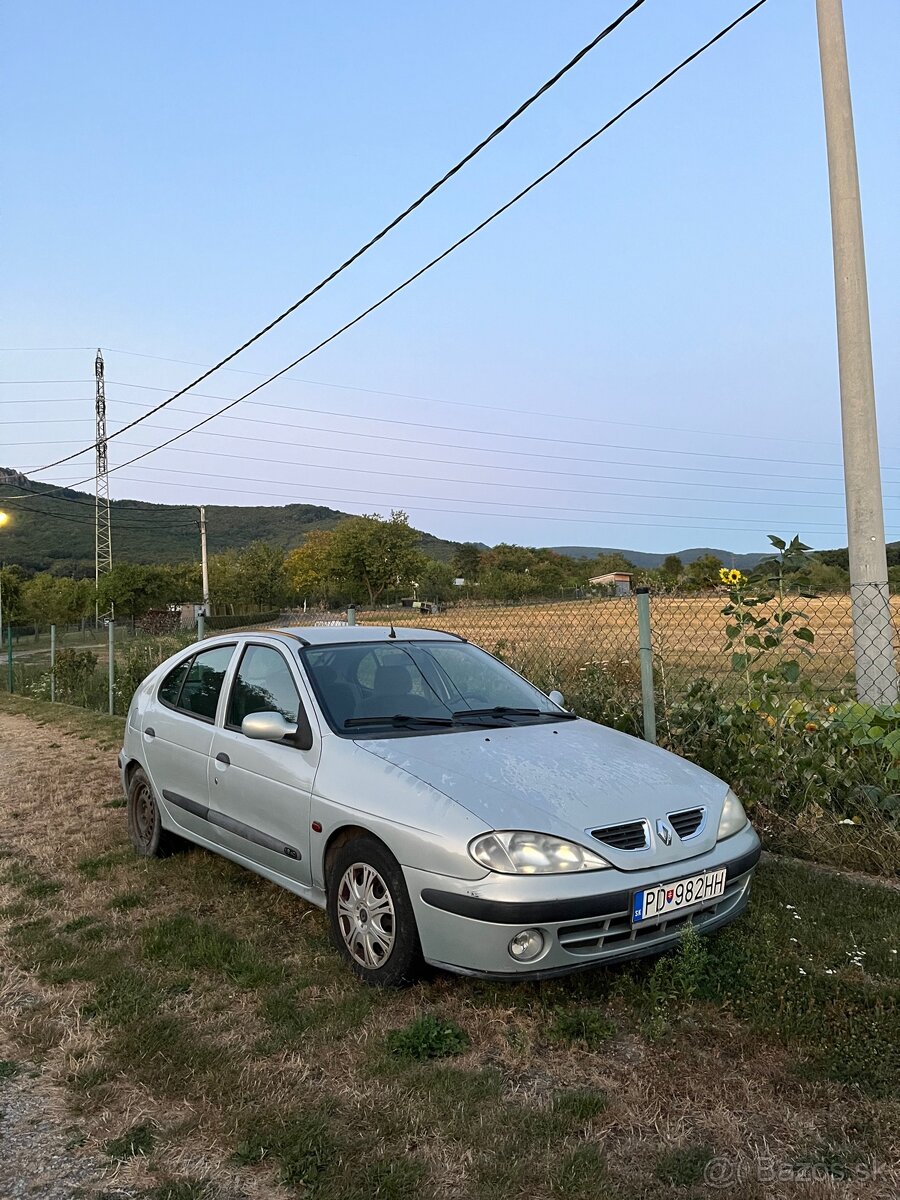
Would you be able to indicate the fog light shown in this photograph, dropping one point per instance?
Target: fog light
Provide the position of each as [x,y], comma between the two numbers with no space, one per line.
[526,945]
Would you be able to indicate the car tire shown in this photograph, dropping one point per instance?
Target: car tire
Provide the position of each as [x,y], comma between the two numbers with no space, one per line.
[145,828]
[372,921]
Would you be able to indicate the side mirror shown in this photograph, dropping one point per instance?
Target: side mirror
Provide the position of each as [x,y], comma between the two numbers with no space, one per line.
[557,698]
[267,727]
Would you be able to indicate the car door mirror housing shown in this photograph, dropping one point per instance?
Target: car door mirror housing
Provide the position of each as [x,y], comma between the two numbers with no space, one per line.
[267,727]
[557,698]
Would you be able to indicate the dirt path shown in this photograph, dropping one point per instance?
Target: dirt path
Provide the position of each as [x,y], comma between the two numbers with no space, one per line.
[49,1149]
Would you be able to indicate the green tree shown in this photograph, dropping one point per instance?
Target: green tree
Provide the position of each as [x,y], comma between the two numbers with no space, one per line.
[894,580]
[181,582]
[703,572]
[11,581]
[371,555]
[606,564]
[225,581]
[310,568]
[672,568]
[55,600]
[435,579]
[467,562]
[131,589]
[261,578]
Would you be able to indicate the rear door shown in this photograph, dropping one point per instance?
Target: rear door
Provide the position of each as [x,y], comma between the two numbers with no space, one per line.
[177,736]
[260,792]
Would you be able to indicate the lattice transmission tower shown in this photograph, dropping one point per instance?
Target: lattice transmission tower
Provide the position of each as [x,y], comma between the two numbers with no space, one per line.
[102,528]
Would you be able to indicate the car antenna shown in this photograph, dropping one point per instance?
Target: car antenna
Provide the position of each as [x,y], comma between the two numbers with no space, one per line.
[393,632]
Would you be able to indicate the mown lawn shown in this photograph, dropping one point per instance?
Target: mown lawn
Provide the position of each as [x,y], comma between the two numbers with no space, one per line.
[213,1045]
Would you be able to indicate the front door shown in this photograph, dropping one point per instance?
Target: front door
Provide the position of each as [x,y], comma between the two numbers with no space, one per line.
[260,792]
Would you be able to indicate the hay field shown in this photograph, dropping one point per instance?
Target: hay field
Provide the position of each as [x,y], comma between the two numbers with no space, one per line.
[556,638]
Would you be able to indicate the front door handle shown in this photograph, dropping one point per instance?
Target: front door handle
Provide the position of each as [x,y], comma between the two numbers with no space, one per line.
[223,759]
[150,732]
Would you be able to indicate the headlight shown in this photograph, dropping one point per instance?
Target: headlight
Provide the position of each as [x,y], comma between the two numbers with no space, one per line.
[516,853]
[733,817]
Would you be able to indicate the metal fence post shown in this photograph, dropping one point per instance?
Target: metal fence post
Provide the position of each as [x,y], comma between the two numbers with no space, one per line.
[9,665]
[201,626]
[52,663]
[642,594]
[112,665]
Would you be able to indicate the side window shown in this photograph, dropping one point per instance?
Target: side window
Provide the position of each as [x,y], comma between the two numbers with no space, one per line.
[170,687]
[200,691]
[263,684]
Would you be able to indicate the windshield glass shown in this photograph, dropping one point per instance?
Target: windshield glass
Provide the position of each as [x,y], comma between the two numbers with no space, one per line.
[420,686]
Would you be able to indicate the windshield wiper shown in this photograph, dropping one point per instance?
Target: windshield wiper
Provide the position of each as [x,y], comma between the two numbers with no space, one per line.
[396,719]
[506,710]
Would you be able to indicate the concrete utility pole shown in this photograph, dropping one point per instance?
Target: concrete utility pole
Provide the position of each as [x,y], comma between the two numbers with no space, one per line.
[204,564]
[873,635]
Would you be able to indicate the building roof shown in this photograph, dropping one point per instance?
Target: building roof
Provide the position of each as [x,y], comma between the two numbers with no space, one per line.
[610,577]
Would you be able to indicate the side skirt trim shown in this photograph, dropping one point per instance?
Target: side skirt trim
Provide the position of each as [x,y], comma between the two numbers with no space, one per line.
[232,825]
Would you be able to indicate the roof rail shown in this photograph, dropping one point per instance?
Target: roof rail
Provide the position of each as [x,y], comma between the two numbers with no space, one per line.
[281,632]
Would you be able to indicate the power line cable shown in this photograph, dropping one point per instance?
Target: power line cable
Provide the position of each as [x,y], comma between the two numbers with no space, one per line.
[390,474]
[517,412]
[455,512]
[238,491]
[439,258]
[531,470]
[428,442]
[16,505]
[5,481]
[445,178]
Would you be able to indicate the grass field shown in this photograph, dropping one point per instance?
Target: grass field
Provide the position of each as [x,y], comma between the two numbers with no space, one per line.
[211,1045]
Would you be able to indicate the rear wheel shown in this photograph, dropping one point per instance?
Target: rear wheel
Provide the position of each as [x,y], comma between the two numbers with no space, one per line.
[145,827]
[372,921]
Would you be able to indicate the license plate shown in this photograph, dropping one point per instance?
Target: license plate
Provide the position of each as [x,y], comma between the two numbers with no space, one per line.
[654,903]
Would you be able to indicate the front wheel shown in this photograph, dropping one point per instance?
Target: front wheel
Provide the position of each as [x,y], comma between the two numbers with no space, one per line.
[372,921]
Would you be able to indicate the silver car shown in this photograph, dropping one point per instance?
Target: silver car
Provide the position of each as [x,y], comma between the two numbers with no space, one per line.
[436,803]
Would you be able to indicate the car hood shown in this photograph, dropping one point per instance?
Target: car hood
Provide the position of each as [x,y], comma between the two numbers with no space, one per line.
[564,778]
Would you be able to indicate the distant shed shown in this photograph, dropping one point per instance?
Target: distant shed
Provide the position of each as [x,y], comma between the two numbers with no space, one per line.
[618,581]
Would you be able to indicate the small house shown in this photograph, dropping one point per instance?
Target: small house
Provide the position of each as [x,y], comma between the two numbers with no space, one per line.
[618,582]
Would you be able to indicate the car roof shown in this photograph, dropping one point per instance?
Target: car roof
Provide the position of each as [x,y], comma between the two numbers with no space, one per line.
[329,634]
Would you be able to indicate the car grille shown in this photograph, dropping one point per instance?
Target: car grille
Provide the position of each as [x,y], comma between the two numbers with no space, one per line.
[633,835]
[592,938]
[687,823]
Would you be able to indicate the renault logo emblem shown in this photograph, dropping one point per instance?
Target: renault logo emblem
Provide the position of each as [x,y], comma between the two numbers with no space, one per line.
[664,833]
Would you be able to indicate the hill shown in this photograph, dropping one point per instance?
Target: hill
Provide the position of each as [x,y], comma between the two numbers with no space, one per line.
[53,528]
[640,558]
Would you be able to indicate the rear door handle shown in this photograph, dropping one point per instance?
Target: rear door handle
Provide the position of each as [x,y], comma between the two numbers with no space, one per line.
[150,732]
[223,759]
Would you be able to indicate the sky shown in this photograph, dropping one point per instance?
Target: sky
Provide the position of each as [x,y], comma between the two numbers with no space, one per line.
[640,354]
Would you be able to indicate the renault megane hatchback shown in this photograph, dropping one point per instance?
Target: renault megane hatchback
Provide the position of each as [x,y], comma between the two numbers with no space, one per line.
[438,805]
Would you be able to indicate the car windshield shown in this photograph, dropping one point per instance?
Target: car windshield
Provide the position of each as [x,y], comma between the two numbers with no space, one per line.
[411,687]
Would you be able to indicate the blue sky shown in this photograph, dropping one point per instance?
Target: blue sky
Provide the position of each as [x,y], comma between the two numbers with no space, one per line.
[640,354]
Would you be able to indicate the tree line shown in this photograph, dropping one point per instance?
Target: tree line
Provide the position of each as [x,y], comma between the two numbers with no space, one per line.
[365,560]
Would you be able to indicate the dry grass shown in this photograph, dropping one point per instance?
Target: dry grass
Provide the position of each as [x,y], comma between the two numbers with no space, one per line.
[688,632]
[201,1002]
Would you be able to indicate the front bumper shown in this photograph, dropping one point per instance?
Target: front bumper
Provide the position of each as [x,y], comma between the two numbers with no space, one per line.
[585,919]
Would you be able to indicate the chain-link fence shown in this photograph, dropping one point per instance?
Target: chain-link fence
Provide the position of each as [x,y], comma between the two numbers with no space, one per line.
[578,645]
[791,699]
